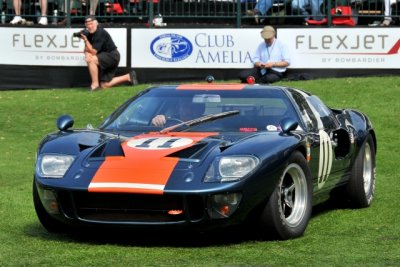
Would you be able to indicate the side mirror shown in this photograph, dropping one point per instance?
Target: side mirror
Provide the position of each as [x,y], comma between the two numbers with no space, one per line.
[288,125]
[64,122]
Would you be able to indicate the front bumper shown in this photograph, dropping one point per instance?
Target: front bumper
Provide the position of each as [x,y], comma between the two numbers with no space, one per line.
[123,209]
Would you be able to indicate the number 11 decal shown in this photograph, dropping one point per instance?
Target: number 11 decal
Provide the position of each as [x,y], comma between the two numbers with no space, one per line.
[155,143]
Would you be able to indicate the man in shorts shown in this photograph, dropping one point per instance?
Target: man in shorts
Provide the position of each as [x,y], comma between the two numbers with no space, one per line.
[102,57]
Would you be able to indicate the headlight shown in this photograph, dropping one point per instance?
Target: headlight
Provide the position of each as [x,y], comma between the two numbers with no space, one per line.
[231,168]
[53,165]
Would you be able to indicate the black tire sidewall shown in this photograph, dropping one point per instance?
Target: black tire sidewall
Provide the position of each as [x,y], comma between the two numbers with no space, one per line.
[355,186]
[273,218]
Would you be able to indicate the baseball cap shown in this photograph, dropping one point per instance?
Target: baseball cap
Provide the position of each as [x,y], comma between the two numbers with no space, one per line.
[89,18]
[267,32]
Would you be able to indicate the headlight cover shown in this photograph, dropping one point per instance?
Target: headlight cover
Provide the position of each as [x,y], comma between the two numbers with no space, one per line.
[230,168]
[53,165]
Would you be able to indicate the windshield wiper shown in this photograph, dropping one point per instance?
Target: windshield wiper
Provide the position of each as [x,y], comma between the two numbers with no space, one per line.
[202,119]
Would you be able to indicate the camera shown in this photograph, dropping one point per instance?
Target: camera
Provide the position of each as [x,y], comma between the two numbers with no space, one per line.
[78,34]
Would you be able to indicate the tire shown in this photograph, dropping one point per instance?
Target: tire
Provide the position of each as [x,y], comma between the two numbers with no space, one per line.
[361,186]
[51,224]
[288,211]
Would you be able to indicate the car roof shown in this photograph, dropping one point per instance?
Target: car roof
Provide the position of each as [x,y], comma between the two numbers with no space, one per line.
[219,86]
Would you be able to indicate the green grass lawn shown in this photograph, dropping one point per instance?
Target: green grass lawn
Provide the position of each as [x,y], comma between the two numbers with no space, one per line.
[336,235]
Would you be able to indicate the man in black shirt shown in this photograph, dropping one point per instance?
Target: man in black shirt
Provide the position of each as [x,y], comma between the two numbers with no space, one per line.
[102,57]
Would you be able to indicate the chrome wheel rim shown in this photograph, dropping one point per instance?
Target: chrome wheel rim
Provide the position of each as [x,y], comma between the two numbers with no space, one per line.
[367,169]
[293,199]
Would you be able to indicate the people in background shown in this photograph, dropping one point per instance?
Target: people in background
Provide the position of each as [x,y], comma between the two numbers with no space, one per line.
[302,7]
[270,59]
[17,9]
[388,13]
[102,57]
[261,9]
[93,7]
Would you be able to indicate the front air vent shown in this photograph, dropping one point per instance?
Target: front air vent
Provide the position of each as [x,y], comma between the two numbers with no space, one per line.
[193,152]
[110,148]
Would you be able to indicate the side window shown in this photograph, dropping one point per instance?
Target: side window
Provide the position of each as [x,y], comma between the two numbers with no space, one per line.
[312,123]
[322,113]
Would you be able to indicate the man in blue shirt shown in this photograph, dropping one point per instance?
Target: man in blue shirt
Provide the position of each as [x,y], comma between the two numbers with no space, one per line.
[270,59]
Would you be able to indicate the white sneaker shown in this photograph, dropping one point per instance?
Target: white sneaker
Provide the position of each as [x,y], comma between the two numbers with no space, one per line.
[43,21]
[386,22]
[16,20]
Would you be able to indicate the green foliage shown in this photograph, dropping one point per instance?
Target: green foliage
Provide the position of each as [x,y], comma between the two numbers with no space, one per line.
[336,236]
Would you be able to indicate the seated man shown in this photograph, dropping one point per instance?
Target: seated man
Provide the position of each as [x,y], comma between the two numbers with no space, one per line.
[187,110]
[270,61]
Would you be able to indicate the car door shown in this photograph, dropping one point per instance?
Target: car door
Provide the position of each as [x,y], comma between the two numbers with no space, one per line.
[327,165]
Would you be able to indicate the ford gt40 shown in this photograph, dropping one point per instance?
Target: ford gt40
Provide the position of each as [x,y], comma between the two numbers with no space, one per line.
[204,156]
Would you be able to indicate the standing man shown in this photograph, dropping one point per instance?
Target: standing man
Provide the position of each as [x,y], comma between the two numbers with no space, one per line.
[270,60]
[102,57]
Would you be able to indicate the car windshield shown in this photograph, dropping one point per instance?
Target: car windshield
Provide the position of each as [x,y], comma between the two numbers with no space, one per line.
[254,110]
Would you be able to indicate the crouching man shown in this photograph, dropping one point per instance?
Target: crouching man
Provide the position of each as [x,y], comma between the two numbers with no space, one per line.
[102,57]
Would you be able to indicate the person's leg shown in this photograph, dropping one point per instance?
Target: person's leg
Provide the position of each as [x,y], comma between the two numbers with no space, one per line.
[298,6]
[260,9]
[130,78]
[388,14]
[93,7]
[116,81]
[17,9]
[316,9]
[271,77]
[93,67]
[43,8]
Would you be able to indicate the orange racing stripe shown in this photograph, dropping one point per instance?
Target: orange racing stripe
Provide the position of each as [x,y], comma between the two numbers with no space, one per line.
[145,167]
[211,86]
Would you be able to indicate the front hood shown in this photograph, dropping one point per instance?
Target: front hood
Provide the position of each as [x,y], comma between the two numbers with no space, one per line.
[153,163]
[73,142]
[145,162]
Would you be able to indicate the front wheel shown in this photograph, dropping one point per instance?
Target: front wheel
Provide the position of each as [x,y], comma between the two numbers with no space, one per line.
[361,186]
[288,210]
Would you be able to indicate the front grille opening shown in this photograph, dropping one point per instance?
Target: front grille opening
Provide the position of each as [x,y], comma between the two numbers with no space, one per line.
[136,208]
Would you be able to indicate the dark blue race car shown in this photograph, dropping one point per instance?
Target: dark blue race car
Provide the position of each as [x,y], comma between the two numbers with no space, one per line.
[205,155]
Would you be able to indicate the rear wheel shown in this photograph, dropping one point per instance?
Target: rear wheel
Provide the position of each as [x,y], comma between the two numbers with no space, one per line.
[288,210]
[361,186]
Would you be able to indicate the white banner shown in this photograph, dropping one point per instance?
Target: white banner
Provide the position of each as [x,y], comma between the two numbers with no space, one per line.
[343,48]
[194,48]
[316,48]
[50,47]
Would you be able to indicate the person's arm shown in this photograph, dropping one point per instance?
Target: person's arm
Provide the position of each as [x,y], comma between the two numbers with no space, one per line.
[257,57]
[284,60]
[279,64]
[159,120]
[88,46]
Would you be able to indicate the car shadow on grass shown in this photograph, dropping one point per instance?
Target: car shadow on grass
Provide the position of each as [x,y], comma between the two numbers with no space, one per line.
[150,237]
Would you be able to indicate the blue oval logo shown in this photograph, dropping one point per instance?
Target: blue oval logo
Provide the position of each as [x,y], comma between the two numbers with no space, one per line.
[171,47]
